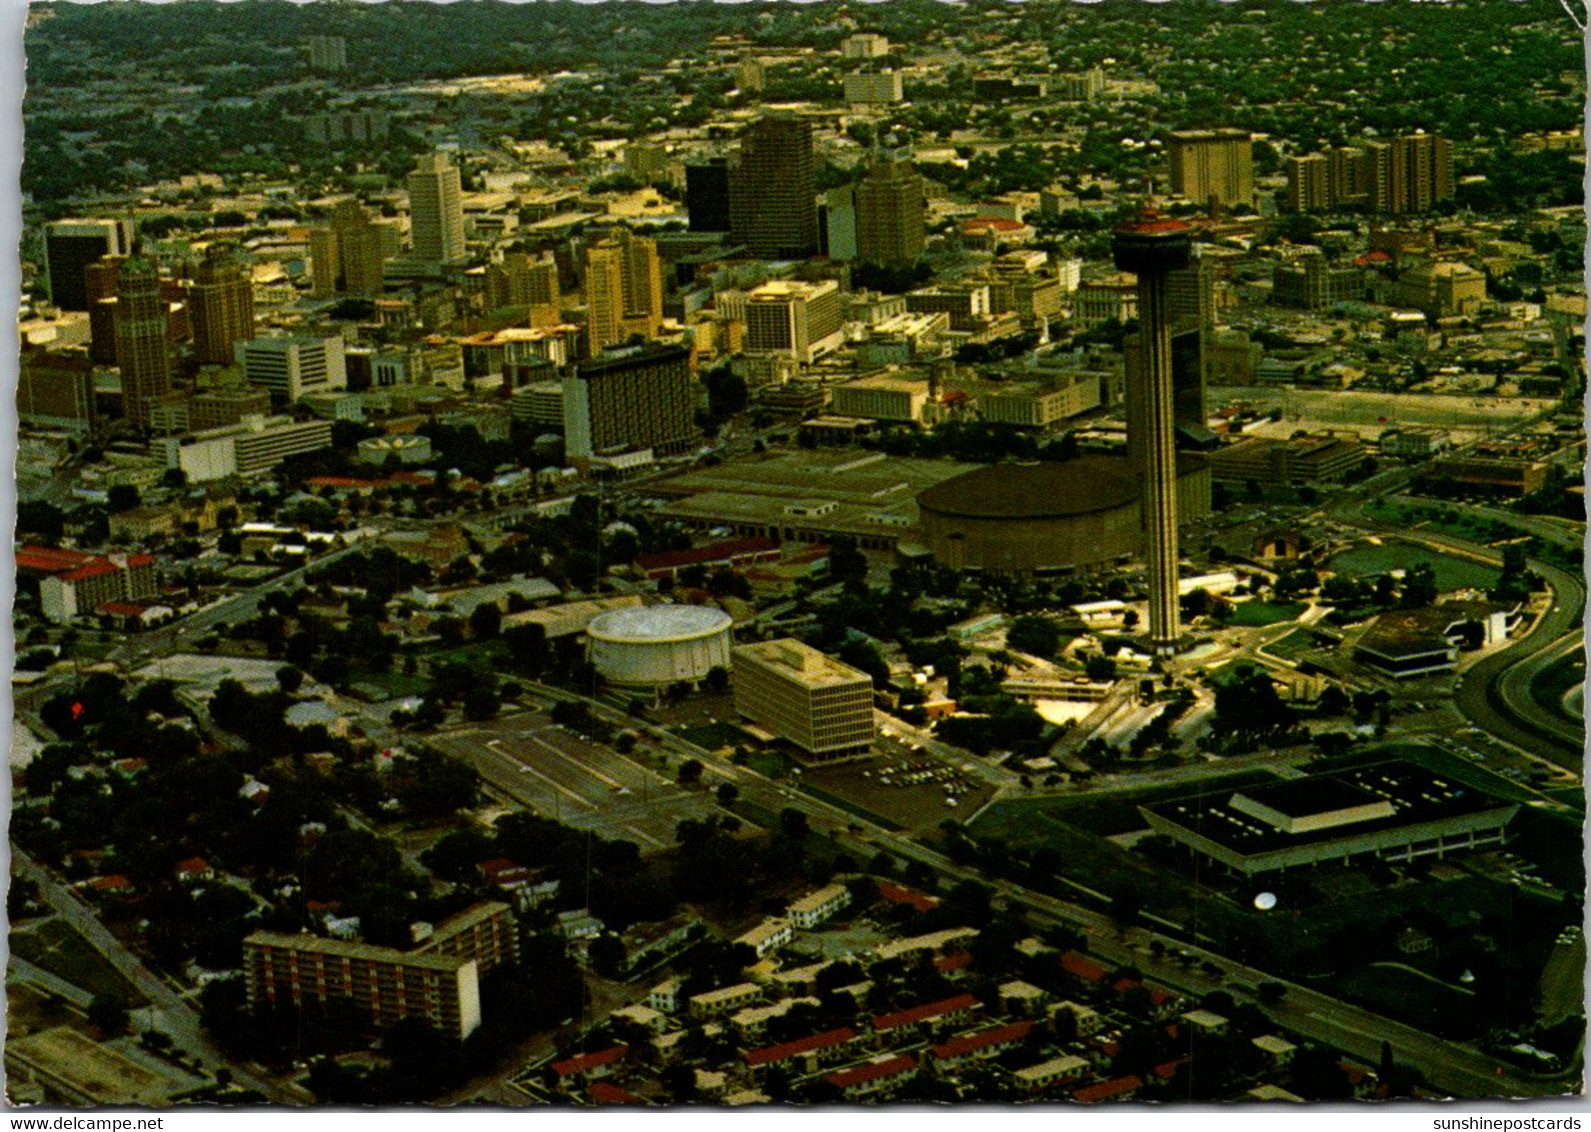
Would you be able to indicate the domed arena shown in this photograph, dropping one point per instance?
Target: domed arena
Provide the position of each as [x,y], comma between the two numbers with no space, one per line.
[1079,514]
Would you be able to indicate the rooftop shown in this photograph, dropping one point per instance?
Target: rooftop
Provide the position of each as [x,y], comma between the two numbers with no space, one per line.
[802,662]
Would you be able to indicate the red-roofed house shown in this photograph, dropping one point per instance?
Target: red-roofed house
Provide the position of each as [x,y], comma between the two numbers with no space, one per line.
[945,1012]
[1119,1089]
[194,870]
[504,873]
[953,964]
[588,1066]
[811,1051]
[1167,1070]
[604,1092]
[892,893]
[874,1078]
[982,1045]
[1084,970]
[113,885]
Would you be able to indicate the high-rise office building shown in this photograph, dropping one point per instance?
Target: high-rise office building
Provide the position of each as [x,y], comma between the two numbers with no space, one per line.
[772,192]
[289,367]
[707,195]
[70,246]
[801,320]
[624,289]
[524,280]
[1213,166]
[141,347]
[436,211]
[101,280]
[56,390]
[220,307]
[837,223]
[347,253]
[890,214]
[1151,247]
[629,399]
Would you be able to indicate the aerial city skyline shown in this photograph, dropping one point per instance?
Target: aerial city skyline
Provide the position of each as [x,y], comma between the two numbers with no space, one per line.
[602,555]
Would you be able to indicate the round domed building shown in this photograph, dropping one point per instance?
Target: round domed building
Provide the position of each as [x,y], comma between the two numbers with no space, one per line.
[644,646]
[1077,514]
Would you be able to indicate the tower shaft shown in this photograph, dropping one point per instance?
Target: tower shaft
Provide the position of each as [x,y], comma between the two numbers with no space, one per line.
[1160,461]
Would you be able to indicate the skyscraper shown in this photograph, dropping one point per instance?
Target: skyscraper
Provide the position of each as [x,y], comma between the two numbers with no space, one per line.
[630,399]
[624,289]
[707,195]
[523,280]
[772,193]
[1213,166]
[347,253]
[101,280]
[220,307]
[71,245]
[889,214]
[141,351]
[436,211]
[1151,247]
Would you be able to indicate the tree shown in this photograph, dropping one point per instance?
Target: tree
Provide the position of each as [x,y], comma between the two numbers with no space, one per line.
[1100,668]
[690,772]
[486,621]
[121,497]
[481,701]
[1038,636]
[726,793]
[607,954]
[108,1012]
[289,678]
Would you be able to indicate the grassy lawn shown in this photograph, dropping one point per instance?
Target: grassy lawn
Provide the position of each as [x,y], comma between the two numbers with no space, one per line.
[1549,688]
[1452,573]
[57,947]
[712,736]
[1296,644]
[1253,614]
[770,764]
[389,685]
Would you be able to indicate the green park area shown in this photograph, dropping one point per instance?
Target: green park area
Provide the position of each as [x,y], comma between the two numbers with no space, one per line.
[57,947]
[1452,572]
[1255,614]
[717,736]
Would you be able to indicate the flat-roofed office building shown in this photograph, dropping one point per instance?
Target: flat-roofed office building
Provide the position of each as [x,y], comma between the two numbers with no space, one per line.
[822,706]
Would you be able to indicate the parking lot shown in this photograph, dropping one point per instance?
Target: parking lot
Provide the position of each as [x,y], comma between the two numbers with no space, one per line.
[913,789]
[563,776]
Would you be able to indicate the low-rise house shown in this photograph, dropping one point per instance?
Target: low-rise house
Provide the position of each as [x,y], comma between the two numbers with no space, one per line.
[572,1071]
[1278,1051]
[724,1000]
[815,907]
[927,1016]
[768,936]
[1116,1089]
[803,1055]
[980,1046]
[875,1079]
[1057,1072]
